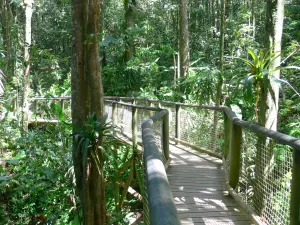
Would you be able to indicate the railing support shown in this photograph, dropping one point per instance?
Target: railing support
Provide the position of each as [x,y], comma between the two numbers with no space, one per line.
[161,205]
[177,123]
[114,117]
[227,131]
[165,135]
[295,193]
[35,107]
[134,127]
[62,105]
[235,148]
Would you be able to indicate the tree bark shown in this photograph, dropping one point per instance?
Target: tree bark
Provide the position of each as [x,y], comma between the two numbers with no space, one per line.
[87,97]
[253,17]
[218,97]
[26,80]
[6,18]
[129,8]
[184,51]
[268,105]
[274,27]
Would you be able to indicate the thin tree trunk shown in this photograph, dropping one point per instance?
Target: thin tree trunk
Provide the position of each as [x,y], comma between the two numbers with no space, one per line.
[253,17]
[129,8]
[26,84]
[218,16]
[220,75]
[6,18]
[184,51]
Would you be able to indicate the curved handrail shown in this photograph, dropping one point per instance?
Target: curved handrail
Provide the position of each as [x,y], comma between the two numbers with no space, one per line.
[278,136]
[161,205]
[233,127]
[162,209]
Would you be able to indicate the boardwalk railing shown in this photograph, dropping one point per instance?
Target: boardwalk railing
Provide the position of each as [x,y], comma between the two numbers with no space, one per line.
[262,167]
[136,123]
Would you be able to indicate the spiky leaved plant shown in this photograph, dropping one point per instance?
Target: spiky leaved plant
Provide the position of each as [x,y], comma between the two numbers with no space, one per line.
[259,76]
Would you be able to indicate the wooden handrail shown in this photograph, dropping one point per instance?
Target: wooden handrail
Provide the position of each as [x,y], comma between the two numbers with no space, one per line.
[161,205]
[233,127]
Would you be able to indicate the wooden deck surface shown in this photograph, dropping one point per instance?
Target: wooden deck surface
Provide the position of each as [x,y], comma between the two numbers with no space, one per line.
[198,185]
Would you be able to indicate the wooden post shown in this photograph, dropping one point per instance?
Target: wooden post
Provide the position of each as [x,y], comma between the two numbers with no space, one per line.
[35,107]
[134,128]
[295,187]
[227,131]
[165,135]
[15,105]
[177,123]
[62,105]
[235,148]
[114,117]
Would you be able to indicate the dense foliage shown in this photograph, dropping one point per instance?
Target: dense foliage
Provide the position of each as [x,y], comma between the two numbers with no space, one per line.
[36,178]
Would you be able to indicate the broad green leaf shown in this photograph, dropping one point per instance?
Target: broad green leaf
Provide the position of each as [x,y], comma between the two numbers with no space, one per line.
[5,178]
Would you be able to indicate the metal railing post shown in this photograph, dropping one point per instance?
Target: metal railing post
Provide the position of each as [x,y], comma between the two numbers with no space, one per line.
[227,131]
[114,117]
[295,193]
[177,122]
[165,135]
[134,127]
[235,149]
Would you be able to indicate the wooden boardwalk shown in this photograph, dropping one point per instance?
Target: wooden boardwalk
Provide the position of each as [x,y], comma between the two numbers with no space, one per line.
[198,186]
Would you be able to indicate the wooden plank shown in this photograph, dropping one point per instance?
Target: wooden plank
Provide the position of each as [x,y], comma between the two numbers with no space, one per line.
[218,196]
[199,191]
[210,214]
[199,184]
[199,200]
[216,219]
[215,222]
[191,205]
[182,210]
[196,190]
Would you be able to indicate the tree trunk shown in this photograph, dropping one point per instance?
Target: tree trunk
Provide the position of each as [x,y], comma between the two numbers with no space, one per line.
[129,8]
[26,80]
[220,75]
[184,51]
[87,97]
[269,99]
[253,18]
[274,27]
[6,18]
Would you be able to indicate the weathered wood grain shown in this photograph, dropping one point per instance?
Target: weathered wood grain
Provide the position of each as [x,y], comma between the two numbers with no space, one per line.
[199,191]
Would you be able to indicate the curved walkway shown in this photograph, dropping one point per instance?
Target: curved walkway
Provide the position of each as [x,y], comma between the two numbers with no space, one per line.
[198,185]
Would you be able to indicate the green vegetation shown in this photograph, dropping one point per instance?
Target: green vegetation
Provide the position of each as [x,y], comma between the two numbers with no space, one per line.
[198,52]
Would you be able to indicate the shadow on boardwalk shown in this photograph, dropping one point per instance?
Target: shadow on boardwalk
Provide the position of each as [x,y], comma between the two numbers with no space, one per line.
[198,185]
